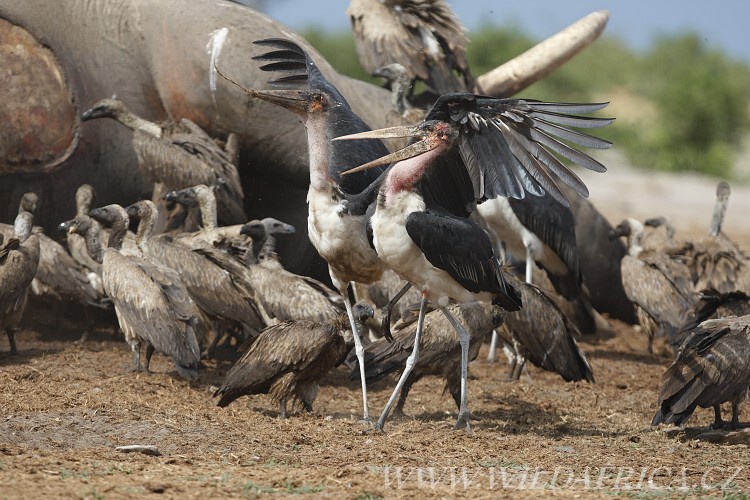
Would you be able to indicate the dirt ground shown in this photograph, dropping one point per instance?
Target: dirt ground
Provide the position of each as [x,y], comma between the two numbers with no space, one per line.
[67,406]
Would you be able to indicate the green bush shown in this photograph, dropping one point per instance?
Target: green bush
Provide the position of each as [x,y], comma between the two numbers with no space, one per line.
[694,99]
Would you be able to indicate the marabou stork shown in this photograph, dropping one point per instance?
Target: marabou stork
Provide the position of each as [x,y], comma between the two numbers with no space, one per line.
[337,204]
[470,148]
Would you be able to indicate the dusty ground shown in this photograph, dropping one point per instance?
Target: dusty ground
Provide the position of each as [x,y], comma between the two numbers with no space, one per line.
[65,407]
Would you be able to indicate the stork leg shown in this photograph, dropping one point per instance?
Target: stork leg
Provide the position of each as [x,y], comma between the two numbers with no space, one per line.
[492,355]
[399,409]
[385,322]
[359,350]
[410,362]
[464,416]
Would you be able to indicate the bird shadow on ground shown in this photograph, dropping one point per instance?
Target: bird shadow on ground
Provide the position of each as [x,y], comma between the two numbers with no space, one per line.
[707,434]
[615,355]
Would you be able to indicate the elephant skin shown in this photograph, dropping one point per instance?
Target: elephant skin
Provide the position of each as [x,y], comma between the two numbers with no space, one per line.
[155,55]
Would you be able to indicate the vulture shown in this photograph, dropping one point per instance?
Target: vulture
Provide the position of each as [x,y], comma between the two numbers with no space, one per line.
[152,305]
[76,242]
[288,359]
[263,233]
[19,258]
[713,305]
[424,36]
[715,261]
[659,286]
[285,295]
[215,280]
[204,198]
[541,333]
[58,275]
[711,368]
[439,349]
[179,154]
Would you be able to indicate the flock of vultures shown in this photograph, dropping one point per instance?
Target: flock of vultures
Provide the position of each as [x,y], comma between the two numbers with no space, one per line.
[476,230]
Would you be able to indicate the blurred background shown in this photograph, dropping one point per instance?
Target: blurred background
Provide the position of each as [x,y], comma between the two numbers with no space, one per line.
[677,73]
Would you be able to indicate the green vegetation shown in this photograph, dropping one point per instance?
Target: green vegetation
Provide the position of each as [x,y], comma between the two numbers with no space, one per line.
[680,106]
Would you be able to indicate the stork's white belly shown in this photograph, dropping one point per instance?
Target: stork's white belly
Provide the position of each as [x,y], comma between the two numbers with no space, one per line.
[518,239]
[341,240]
[399,252]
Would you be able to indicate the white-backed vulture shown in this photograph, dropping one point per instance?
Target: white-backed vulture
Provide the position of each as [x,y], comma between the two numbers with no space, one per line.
[287,360]
[659,286]
[424,36]
[152,304]
[711,368]
[216,281]
[715,261]
[541,333]
[58,275]
[285,295]
[179,155]
[203,198]
[19,258]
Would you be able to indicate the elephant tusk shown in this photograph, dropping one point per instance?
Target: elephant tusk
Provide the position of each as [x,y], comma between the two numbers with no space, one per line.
[543,58]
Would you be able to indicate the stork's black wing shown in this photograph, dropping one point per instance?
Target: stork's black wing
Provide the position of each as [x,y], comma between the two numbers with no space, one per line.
[462,249]
[553,223]
[511,146]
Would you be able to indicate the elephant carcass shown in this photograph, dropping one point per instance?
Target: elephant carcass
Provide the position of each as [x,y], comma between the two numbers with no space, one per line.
[156,56]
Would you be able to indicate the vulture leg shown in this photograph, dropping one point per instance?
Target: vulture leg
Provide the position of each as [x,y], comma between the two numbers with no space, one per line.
[735,415]
[218,333]
[282,408]
[359,350]
[135,345]
[385,322]
[149,352]
[410,362]
[307,405]
[512,356]
[12,340]
[464,416]
[492,355]
[718,422]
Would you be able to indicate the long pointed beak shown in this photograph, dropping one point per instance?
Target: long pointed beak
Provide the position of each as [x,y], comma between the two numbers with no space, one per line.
[293,100]
[384,133]
[409,151]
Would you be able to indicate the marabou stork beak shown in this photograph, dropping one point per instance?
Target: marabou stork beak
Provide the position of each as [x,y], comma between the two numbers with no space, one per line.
[293,100]
[427,143]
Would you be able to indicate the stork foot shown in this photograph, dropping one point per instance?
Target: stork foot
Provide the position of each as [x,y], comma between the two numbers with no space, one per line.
[366,422]
[464,421]
[720,424]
